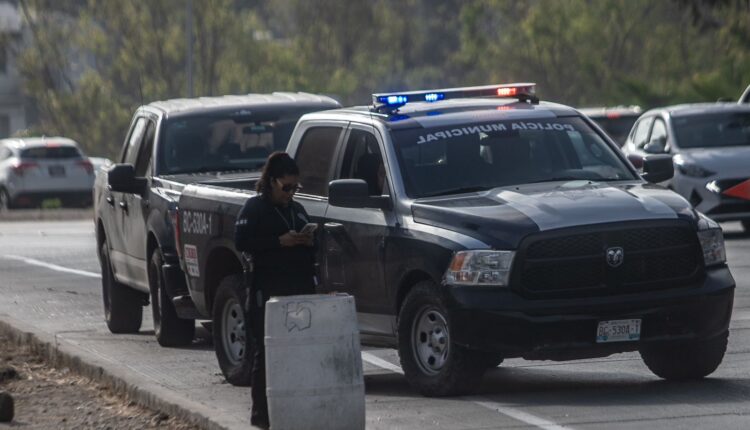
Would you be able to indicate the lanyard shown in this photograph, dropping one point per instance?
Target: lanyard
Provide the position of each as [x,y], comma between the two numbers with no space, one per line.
[291,212]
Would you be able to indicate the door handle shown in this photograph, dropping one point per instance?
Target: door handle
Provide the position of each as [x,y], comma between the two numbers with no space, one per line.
[110,201]
[124,205]
[333,226]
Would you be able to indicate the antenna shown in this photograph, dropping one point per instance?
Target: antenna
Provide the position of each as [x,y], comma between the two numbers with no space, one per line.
[140,87]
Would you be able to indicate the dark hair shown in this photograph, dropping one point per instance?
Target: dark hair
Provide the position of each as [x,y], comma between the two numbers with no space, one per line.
[278,165]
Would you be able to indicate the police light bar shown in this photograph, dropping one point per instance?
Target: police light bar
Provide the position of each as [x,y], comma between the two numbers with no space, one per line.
[522,91]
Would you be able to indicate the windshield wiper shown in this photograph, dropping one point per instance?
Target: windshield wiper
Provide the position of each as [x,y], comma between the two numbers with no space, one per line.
[459,190]
[561,178]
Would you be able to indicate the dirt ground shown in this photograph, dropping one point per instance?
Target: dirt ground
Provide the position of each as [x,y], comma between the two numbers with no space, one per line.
[50,398]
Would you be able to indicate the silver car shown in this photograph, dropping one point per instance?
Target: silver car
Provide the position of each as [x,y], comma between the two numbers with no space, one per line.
[46,172]
[711,147]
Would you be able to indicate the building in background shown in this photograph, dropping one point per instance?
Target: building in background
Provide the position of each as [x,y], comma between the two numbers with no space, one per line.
[12,101]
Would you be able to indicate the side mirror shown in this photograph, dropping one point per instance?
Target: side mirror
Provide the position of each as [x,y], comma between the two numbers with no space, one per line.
[658,168]
[354,193]
[658,146]
[121,178]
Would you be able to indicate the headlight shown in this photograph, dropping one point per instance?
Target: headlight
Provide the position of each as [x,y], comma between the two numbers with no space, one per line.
[712,241]
[491,268]
[693,170]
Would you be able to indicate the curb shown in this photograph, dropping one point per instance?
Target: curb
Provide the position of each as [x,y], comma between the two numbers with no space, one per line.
[46,214]
[133,388]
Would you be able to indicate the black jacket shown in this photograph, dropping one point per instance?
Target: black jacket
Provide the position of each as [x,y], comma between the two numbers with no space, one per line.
[277,270]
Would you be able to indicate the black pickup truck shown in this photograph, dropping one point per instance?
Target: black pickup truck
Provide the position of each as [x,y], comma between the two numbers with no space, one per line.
[478,224]
[170,144]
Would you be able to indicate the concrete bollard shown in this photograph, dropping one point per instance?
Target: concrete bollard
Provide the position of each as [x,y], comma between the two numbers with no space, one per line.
[6,407]
[313,363]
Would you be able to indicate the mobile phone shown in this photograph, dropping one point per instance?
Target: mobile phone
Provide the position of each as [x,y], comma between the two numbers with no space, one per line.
[309,228]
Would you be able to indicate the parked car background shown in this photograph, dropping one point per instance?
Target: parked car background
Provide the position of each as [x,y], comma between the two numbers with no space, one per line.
[615,121]
[44,172]
[710,143]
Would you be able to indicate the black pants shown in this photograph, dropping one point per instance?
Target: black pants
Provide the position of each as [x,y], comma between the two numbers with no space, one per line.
[259,413]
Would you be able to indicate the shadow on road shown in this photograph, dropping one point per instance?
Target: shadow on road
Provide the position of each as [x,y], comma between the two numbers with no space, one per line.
[550,387]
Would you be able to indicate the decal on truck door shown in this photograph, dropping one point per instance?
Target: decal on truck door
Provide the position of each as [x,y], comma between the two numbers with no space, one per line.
[191,260]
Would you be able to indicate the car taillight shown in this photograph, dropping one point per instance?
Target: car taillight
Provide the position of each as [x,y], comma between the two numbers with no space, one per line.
[20,168]
[87,166]
[175,217]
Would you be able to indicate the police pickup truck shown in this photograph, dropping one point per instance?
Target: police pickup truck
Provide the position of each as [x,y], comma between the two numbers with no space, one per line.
[478,224]
[170,144]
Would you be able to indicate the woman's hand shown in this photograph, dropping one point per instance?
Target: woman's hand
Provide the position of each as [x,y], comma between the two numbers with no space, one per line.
[292,238]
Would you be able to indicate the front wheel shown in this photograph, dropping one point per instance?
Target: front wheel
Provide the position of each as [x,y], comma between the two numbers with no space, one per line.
[231,331]
[685,360]
[432,363]
[170,330]
[123,306]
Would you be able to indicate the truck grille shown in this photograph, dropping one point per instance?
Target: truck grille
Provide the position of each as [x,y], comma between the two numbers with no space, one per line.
[573,262]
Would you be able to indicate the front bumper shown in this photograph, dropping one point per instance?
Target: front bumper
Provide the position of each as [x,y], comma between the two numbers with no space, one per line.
[502,322]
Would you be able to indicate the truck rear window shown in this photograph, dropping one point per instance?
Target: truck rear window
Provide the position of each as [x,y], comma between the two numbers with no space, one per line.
[240,141]
[480,156]
[50,152]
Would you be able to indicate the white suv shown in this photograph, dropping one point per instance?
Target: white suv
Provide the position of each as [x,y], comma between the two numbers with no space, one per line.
[46,171]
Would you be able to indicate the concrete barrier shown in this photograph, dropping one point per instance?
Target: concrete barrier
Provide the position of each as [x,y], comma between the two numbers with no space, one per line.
[313,363]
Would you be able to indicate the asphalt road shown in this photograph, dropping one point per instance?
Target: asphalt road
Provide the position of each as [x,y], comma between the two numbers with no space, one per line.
[49,281]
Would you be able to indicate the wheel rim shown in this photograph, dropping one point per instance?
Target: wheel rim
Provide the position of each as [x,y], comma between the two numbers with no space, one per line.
[430,340]
[233,331]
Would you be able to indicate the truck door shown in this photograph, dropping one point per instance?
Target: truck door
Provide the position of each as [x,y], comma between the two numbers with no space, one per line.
[116,217]
[135,208]
[355,238]
[315,156]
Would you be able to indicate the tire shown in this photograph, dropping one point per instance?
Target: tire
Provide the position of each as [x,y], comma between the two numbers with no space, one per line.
[123,306]
[685,360]
[432,363]
[231,331]
[170,330]
[5,203]
[746,225]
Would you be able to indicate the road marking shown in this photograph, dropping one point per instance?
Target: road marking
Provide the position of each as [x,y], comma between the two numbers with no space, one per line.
[53,266]
[383,364]
[514,413]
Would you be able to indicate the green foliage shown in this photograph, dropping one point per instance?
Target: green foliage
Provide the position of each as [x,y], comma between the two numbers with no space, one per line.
[90,63]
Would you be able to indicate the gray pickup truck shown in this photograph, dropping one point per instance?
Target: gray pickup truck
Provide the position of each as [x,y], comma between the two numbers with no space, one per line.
[477,224]
[170,144]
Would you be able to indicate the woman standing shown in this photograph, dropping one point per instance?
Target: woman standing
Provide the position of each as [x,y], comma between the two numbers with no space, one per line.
[268,228]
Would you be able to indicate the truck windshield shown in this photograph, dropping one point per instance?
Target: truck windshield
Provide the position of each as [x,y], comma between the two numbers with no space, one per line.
[222,142]
[481,156]
[712,130]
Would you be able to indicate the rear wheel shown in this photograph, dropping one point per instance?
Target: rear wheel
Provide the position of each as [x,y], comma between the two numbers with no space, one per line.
[432,363]
[231,331]
[123,306]
[170,330]
[4,200]
[685,360]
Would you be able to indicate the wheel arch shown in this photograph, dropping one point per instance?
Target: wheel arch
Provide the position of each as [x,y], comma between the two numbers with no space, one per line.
[220,263]
[408,281]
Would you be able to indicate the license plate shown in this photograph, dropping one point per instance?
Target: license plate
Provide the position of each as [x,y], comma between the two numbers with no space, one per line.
[618,331]
[56,170]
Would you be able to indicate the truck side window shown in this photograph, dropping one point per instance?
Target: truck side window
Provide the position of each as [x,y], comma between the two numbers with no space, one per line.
[641,132]
[136,135]
[144,155]
[363,160]
[315,156]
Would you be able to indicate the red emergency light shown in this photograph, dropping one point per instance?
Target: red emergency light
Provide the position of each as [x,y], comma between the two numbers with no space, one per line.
[741,190]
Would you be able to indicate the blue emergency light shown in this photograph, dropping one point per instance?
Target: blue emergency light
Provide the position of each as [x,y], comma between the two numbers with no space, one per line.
[392,101]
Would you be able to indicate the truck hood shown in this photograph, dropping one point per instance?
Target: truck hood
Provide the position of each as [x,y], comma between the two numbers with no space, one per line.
[502,217]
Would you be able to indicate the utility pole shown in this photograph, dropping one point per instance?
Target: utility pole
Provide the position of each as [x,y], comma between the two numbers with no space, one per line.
[189,56]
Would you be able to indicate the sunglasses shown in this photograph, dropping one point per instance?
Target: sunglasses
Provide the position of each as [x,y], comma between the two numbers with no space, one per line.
[290,188]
